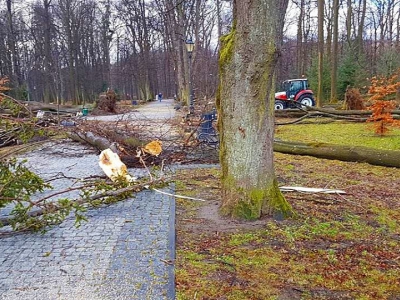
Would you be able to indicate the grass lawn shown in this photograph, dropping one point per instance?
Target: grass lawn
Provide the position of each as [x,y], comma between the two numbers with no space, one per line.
[350,134]
[336,247]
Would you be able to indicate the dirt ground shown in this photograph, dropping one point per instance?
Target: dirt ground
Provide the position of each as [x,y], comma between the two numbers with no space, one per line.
[336,247]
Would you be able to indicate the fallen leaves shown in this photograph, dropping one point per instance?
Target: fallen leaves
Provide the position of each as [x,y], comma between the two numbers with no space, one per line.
[153,148]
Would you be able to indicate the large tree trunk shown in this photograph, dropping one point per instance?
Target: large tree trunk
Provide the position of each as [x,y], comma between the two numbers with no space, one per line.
[335,48]
[49,88]
[300,45]
[387,158]
[349,22]
[175,20]
[359,38]
[320,52]
[12,48]
[248,58]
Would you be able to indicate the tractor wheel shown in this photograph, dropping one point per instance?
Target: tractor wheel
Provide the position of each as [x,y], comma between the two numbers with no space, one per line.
[279,104]
[306,100]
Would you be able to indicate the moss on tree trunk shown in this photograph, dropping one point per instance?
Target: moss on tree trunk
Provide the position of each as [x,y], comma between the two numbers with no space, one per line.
[251,204]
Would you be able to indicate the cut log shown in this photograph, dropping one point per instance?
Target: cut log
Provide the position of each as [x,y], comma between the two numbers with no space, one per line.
[387,158]
[100,143]
[130,159]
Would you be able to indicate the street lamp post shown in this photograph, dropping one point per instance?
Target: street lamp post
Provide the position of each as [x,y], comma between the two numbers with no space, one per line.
[189,48]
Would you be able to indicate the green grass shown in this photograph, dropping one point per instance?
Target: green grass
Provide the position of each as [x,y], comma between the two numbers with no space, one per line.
[387,219]
[241,239]
[349,134]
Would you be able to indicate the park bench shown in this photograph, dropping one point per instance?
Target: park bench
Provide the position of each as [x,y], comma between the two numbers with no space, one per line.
[206,133]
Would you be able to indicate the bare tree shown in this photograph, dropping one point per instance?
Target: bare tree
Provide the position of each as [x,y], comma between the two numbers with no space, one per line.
[15,72]
[321,46]
[43,32]
[335,49]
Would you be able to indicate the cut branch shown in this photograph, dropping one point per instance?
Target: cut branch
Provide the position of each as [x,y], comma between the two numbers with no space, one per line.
[54,206]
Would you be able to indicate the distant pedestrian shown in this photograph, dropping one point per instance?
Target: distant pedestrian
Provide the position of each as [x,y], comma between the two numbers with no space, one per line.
[159,97]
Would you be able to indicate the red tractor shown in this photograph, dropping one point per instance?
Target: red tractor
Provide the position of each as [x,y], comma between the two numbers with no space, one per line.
[296,91]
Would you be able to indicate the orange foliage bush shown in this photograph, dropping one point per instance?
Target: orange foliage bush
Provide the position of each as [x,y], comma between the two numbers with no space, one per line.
[381,89]
[382,116]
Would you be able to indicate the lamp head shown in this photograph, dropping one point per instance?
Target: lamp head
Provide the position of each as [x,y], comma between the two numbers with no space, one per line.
[189,45]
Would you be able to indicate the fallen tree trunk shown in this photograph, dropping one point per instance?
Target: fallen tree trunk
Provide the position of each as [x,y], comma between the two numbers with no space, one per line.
[100,143]
[35,106]
[387,158]
[347,112]
[128,155]
[314,111]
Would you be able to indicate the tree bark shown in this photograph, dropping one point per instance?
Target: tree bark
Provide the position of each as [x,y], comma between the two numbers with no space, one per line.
[246,108]
[300,46]
[320,52]
[349,21]
[12,48]
[175,20]
[359,38]
[334,57]
[49,93]
[387,158]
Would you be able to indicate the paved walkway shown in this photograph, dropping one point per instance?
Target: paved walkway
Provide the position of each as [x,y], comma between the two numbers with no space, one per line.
[123,252]
[154,110]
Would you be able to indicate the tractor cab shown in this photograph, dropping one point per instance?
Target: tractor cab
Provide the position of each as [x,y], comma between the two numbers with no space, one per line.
[294,86]
[294,90]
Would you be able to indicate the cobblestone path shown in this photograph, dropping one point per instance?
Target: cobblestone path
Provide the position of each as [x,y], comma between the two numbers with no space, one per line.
[123,252]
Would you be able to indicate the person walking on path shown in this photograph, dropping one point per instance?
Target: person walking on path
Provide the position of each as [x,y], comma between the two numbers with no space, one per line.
[159,97]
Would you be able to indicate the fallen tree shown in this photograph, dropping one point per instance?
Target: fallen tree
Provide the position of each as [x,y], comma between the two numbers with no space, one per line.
[98,142]
[312,112]
[387,158]
[118,144]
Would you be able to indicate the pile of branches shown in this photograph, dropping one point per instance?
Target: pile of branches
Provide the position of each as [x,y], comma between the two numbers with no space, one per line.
[18,184]
[14,132]
[19,124]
